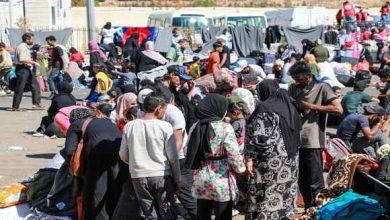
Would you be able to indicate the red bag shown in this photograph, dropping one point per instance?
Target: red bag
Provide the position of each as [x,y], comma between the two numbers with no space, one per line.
[77,162]
[335,150]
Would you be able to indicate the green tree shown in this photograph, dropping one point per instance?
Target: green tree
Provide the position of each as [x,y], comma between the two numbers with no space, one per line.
[203,3]
[81,3]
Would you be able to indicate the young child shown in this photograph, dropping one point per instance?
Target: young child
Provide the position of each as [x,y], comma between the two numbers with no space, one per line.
[195,67]
[237,110]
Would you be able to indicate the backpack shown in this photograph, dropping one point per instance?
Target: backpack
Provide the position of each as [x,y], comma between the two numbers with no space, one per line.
[351,206]
[335,150]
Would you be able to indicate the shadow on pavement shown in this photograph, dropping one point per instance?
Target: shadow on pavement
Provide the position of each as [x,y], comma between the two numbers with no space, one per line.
[41,156]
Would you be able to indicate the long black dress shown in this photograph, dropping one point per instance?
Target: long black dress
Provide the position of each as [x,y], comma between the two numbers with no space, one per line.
[273,189]
[104,174]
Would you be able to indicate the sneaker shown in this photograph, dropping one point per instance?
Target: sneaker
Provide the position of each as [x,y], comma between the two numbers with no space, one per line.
[2,93]
[38,107]
[235,212]
[8,92]
[17,110]
[37,134]
[51,96]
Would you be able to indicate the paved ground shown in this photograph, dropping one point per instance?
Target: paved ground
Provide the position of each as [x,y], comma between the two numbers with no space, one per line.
[15,130]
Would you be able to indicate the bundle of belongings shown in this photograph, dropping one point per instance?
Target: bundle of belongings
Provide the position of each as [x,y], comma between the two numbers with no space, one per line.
[349,195]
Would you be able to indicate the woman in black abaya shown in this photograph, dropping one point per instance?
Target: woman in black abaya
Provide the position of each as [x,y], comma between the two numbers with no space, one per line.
[271,154]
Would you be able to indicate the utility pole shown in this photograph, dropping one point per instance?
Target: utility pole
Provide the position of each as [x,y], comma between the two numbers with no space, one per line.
[24,15]
[10,3]
[91,20]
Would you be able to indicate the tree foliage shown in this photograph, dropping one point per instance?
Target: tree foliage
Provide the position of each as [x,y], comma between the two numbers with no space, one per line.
[204,3]
[82,3]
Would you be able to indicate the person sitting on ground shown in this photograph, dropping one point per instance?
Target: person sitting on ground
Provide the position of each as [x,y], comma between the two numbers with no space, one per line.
[277,70]
[311,60]
[5,68]
[307,46]
[320,52]
[371,124]
[362,65]
[195,67]
[149,58]
[175,55]
[96,57]
[61,100]
[102,86]
[279,51]
[353,101]
[76,56]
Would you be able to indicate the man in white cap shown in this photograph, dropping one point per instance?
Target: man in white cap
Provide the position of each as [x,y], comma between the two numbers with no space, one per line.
[251,74]
[320,52]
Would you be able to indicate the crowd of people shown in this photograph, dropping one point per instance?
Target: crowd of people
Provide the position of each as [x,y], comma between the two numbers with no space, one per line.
[162,137]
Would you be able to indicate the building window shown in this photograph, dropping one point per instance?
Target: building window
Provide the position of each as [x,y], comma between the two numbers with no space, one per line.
[53,15]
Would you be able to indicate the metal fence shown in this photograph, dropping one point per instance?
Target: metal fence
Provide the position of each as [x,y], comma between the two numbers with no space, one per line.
[79,38]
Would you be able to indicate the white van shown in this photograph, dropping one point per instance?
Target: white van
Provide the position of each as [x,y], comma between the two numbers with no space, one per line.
[179,18]
[300,17]
[239,19]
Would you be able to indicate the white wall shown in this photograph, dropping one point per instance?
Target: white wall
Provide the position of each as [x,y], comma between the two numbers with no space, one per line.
[38,13]
[17,12]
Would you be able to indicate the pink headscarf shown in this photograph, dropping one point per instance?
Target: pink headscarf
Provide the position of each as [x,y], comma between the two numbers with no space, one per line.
[149,52]
[94,47]
[124,103]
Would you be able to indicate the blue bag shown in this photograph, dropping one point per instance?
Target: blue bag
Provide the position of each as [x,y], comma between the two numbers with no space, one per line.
[351,206]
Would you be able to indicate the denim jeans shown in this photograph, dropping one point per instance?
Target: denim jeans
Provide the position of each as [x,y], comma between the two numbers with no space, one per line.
[350,23]
[4,77]
[54,79]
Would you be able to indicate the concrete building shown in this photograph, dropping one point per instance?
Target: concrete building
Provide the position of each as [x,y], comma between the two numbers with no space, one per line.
[49,13]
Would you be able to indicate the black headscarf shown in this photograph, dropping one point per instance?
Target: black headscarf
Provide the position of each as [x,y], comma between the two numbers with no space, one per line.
[279,102]
[211,108]
[266,89]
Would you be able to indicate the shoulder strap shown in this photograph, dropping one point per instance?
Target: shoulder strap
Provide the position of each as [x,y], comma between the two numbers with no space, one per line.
[85,125]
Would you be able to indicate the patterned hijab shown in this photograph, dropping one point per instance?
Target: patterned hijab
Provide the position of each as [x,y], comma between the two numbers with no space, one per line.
[80,113]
